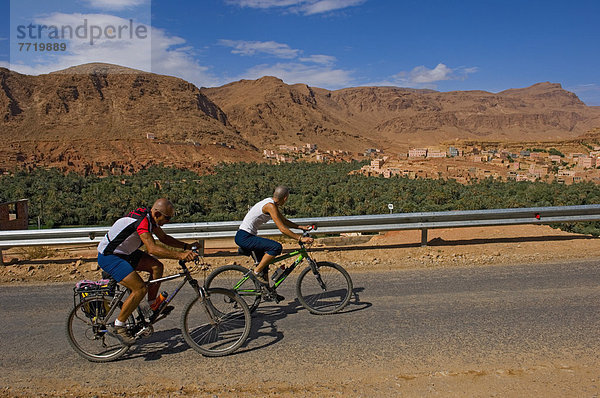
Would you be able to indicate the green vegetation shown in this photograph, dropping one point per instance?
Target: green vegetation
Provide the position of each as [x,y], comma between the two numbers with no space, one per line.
[554,151]
[318,190]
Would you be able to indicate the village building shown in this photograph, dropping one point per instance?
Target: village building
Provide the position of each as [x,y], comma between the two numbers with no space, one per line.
[586,162]
[376,164]
[417,153]
[435,154]
[453,152]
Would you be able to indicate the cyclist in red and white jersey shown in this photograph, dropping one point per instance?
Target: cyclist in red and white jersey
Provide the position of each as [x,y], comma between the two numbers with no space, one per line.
[119,255]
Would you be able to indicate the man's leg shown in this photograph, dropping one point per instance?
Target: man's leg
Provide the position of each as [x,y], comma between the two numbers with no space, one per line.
[271,250]
[138,290]
[264,262]
[150,264]
[120,268]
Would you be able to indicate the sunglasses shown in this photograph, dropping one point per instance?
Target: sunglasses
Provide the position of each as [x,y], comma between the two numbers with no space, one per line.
[168,218]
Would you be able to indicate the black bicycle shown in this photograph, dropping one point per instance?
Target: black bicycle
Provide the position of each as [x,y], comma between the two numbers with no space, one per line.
[322,288]
[215,322]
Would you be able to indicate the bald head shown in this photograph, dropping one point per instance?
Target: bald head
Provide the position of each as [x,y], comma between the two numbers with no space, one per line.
[164,205]
[281,192]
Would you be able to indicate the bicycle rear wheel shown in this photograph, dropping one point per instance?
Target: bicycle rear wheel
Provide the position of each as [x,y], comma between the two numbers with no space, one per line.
[217,324]
[229,277]
[327,291]
[86,330]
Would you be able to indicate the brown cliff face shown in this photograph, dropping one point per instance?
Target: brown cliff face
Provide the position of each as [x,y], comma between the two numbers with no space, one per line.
[95,118]
[98,116]
[268,112]
[105,101]
[391,117]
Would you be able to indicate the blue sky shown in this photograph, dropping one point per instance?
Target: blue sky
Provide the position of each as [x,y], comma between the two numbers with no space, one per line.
[439,44]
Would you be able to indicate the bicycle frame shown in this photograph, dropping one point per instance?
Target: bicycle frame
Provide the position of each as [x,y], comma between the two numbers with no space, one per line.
[302,254]
[185,273]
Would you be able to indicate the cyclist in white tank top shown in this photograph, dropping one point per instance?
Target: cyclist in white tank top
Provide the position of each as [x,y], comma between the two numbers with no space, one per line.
[265,210]
[255,217]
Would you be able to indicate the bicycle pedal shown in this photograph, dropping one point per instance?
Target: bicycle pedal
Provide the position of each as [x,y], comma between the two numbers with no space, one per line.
[144,332]
[273,296]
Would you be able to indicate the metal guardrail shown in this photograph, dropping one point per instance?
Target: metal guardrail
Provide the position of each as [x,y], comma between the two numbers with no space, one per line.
[334,225]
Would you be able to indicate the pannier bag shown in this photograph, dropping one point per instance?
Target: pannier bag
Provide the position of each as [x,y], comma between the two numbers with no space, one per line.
[87,288]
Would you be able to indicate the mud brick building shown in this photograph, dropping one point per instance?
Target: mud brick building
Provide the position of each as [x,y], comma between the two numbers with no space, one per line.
[14,215]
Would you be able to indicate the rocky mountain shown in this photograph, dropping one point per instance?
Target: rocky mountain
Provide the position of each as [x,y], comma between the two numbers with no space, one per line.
[99,116]
[96,118]
[394,118]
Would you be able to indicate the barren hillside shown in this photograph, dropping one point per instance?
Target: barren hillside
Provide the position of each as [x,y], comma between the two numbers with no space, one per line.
[393,118]
[96,118]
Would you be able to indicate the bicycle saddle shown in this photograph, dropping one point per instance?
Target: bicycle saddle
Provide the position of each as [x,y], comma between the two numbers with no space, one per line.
[246,252]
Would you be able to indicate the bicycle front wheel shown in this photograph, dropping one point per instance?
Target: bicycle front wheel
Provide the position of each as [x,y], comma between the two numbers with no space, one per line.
[327,291]
[217,324]
[86,330]
[232,277]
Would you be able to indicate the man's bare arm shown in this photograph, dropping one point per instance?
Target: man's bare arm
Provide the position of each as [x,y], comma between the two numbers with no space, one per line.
[160,251]
[284,224]
[167,239]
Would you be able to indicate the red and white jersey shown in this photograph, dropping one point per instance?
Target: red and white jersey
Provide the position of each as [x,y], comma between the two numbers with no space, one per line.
[124,236]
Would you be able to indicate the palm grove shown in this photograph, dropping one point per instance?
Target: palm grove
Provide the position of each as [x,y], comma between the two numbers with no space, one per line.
[318,190]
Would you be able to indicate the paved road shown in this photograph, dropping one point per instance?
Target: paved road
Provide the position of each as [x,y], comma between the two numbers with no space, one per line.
[400,325]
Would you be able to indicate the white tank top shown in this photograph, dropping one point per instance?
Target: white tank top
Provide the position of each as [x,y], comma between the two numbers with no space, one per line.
[255,217]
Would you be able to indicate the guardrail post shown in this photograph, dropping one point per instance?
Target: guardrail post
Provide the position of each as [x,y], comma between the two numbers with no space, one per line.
[201,247]
[424,237]
[1,258]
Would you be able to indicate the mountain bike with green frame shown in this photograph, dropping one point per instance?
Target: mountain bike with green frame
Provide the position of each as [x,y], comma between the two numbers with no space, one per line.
[322,287]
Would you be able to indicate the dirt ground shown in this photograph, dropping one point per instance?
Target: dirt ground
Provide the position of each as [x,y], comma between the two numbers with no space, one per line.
[467,247]
[470,247]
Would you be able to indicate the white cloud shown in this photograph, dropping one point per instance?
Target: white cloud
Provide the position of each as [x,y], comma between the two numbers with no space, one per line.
[265,3]
[243,47]
[168,59]
[315,70]
[322,6]
[306,7]
[319,59]
[158,52]
[292,73]
[115,5]
[423,77]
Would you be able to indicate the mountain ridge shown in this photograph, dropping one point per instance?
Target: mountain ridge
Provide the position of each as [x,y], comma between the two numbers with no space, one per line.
[98,102]
[393,117]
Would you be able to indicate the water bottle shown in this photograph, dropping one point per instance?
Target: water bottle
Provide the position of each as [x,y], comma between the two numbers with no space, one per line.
[159,300]
[278,272]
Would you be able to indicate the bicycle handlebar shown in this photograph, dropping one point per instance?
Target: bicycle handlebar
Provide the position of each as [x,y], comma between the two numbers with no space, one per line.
[196,250]
[312,228]
[306,234]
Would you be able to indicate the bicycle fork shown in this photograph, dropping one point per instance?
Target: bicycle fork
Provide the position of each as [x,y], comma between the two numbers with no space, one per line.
[315,271]
[206,303]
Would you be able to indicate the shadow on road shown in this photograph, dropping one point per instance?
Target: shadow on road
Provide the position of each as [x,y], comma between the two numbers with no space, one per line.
[264,320]
[162,342]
